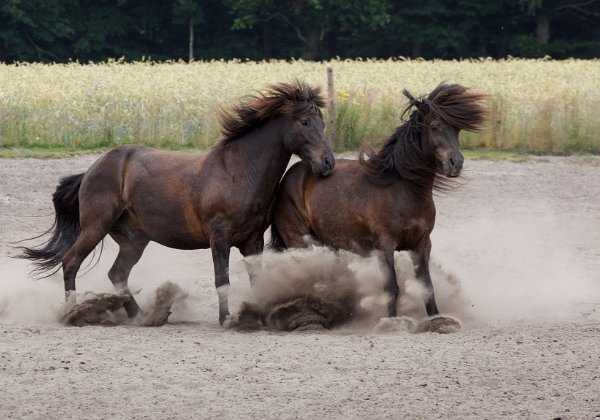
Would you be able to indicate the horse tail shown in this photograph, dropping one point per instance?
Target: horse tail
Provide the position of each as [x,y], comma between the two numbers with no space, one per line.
[64,230]
[276,243]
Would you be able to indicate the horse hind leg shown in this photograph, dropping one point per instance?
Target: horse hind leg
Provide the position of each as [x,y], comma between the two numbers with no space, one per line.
[87,240]
[130,252]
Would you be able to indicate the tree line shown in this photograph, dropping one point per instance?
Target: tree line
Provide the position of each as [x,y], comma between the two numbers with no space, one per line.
[94,30]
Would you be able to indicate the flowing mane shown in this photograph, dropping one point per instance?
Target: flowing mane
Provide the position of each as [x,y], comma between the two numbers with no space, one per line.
[403,155]
[290,99]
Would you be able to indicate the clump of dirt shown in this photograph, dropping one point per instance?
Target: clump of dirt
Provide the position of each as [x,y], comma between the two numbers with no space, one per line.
[106,309]
[158,312]
[398,324]
[98,309]
[439,324]
[307,289]
[436,324]
[308,312]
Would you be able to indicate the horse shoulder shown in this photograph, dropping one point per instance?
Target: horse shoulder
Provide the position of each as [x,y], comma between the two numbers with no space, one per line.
[292,185]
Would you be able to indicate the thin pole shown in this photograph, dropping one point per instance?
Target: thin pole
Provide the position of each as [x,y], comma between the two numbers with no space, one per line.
[191,43]
[331,107]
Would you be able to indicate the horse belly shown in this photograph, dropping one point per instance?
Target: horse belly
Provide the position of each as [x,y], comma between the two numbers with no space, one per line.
[341,228]
[165,229]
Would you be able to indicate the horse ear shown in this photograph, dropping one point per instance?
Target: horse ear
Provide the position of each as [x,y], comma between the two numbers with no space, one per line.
[417,103]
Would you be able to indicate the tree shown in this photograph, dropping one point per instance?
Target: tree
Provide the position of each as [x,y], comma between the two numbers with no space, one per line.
[94,30]
[98,27]
[190,12]
[311,20]
[35,29]
[546,11]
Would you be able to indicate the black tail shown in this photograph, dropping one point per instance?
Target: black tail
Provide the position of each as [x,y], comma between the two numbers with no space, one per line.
[276,243]
[65,229]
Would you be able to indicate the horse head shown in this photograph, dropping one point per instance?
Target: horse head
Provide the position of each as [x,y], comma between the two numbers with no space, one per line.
[448,109]
[303,133]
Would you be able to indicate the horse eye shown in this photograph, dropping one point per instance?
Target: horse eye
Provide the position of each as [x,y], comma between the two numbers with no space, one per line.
[305,123]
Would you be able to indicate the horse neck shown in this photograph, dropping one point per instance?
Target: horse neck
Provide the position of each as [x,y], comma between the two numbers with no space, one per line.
[258,158]
[419,175]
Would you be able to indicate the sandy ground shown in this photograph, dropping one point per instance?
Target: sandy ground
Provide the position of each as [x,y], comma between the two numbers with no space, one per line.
[522,239]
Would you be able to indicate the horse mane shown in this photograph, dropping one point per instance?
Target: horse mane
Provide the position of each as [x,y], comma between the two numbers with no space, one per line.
[402,154]
[293,99]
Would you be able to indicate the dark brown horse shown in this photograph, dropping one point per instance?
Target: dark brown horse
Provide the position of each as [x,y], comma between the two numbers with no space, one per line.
[384,200]
[186,201]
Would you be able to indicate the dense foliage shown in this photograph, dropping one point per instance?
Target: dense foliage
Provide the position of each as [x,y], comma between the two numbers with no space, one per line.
[93,30]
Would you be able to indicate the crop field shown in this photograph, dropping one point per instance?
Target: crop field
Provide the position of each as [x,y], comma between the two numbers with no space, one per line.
[539,106]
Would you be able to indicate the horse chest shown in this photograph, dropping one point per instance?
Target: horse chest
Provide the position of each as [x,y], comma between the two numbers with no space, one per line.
[411,232]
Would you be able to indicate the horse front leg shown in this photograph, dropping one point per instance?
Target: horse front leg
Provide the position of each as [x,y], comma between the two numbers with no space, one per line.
[220,247]
[386,261]
[420,259]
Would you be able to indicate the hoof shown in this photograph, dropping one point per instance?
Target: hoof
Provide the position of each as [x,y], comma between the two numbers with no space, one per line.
[224,320]
[133,310]
[439,324]
[248,318]
[399,324]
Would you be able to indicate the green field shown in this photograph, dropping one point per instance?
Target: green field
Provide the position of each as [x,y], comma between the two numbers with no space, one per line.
[538,106]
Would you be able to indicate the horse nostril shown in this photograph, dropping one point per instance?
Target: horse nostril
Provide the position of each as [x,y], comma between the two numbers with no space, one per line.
[328,163]
[452,163]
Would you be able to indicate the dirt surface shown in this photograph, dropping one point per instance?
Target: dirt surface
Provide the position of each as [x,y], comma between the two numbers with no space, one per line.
[517,261]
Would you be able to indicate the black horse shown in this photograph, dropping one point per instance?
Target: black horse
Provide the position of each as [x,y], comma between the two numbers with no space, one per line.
[384,200]
[188,201]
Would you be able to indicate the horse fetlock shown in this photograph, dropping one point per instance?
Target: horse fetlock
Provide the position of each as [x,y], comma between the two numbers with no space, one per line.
[223,292]
[70,296]
[70,299]
[122,287]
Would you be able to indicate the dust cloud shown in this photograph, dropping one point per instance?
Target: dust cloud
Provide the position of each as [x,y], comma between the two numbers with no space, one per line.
[312,286]
[27,300]
[494,268]
[516,269]
[342,289]
[23,301]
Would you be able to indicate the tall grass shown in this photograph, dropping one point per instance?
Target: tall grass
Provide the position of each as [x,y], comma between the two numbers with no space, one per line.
[537,105]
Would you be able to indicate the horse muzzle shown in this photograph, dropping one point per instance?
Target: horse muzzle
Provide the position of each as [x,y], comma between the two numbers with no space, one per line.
[453,166]
[327,165]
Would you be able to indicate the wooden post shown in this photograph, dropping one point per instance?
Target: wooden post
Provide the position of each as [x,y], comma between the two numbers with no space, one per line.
[191,41]
[331,107]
